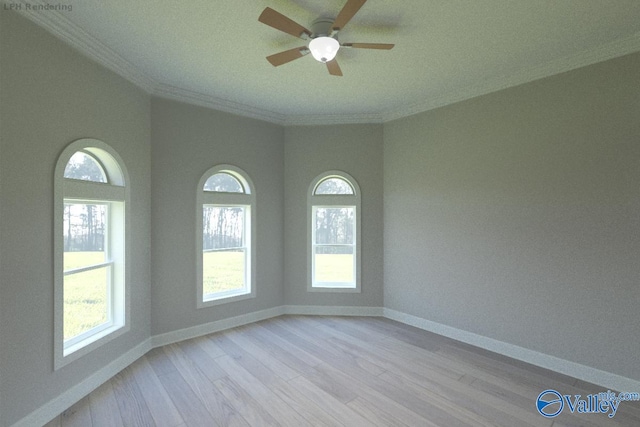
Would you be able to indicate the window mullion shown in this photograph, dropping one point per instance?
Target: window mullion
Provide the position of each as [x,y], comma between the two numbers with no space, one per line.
[88,268]
[87,190]
[79,338]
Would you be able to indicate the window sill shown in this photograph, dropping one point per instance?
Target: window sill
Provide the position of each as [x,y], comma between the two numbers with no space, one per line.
[89,344]
[342,289]
[225,298]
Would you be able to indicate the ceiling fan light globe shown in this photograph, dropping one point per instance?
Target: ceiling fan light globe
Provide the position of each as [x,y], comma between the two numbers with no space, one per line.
[324,49]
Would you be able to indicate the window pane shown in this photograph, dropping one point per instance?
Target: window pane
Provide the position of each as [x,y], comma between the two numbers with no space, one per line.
[85,301]
[335,225]
[334,264]
[223,271]
[222,227]
[334,186]
[223,183]
[84,229]
[83,166]
[224,257]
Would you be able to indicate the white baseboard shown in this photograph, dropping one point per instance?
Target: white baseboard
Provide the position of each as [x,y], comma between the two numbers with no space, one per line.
[62,402]
[216,326]
[605,379]
[245,319]
[68,398]
[322,310]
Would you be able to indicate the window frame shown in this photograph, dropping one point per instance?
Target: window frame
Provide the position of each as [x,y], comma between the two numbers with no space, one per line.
[109,263]
[115,195]
[246,200]
[316,201]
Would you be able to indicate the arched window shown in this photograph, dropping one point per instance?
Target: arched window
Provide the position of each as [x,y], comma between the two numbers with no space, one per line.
[225,236]
[90,247]
[334,233]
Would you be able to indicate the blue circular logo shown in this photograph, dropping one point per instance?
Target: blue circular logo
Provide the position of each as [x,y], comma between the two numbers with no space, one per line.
[550,403]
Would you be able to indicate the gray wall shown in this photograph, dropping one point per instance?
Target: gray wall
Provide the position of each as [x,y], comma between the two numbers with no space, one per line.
[50,96]
[309,151]
[513,215]
[516,215]
[188,140]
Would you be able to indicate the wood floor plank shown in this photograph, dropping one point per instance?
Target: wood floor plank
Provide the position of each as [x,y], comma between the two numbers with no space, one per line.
[464,407]
[312,340]
[265,354]
[416,404]
[359,346]
[339,381]
[374,415]
[209,346]
[133,407]
[250,409]
[341,392]
[159,361]
[501,369]
[417,355]
[312,412]
[266,397]
[422,357]
[442,405]
[104,407]
[216,404]
[162,409]
[440,385]
[202,359]
[387,359]
[344,326]
[54,422]
[338,410]
[331,371]
[191,409]
[79,415]
[307,408]
[456,391]
[263,334]
[413,336]
[277,350]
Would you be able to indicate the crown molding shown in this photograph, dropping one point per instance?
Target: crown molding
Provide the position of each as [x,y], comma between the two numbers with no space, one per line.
[58,25]
[208,101]
[602,53]
[332,119]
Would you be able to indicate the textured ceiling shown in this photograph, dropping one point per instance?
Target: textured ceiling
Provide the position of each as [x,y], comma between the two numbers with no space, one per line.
[212,52]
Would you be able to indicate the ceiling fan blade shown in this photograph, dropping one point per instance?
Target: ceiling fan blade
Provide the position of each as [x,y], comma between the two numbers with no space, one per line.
[334,68]
[287,56]
[384,46]
[347,12]
[280,22]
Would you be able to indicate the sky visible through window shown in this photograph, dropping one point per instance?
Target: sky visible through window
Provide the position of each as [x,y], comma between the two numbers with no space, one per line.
[334,186]
[84,167]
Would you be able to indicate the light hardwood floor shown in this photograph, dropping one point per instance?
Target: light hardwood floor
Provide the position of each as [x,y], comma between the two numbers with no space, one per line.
[330,371]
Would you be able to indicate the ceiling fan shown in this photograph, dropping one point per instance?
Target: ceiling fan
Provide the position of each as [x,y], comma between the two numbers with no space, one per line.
[323,37]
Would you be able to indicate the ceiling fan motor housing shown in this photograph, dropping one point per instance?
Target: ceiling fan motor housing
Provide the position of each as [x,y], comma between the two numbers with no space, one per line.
[322,27]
